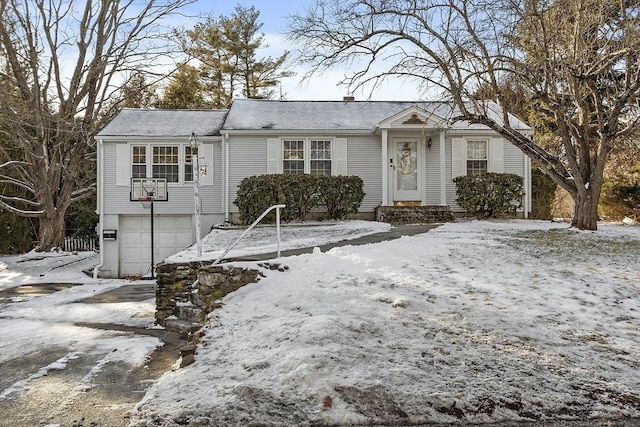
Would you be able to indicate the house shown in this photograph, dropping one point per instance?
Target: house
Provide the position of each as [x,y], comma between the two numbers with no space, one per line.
[407,153]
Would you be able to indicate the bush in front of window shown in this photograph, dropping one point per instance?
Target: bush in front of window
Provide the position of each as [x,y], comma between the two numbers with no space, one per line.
[341,195]
[257,193]
[299,193]
[490,195]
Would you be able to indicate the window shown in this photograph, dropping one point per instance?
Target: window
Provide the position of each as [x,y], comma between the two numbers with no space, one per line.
[165,163]
[312,156]
[171,162]
[476,157]
[139,162]
[320,157]
[293,157]
[188,164]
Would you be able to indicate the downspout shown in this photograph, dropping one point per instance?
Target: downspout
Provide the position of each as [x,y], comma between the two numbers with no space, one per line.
[100,203]
[225,149]
[527,184]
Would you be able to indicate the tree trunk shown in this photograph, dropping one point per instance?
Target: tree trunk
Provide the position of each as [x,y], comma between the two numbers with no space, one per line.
[51,231]
[585,216]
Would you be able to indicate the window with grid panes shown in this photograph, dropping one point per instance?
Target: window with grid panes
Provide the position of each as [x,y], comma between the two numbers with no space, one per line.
[293,157]
[139,162]
[477,157]
[188,164]
[165,163]
[320,156]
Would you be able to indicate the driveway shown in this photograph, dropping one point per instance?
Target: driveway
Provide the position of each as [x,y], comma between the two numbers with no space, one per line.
[82,382]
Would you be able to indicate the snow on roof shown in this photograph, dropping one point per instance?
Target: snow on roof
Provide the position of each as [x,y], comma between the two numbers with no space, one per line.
[138,122]
[252,114]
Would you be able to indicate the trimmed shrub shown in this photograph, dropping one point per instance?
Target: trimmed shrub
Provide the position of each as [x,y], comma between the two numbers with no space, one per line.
[490,195]
[341,195]
[299,193]
[255,194]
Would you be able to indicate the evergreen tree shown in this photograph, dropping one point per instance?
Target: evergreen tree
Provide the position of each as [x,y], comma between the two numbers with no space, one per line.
[226,49]
[185,90]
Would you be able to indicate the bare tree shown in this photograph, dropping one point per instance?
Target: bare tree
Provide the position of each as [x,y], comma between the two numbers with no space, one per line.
[577,60]
[59,64]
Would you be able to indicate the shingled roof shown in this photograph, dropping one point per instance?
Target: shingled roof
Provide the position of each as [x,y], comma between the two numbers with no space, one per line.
[260,115]
[167,123]
[251,114]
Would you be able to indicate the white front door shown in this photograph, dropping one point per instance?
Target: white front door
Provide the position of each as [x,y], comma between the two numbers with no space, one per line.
[407,170]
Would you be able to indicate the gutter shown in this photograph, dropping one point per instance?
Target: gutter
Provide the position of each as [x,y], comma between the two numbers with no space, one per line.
[100,203]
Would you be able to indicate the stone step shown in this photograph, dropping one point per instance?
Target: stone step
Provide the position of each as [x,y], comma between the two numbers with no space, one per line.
[414,214]
[182,326]
[190,313]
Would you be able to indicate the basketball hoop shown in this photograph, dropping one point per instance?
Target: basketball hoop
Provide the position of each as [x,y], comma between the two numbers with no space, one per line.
[146,201]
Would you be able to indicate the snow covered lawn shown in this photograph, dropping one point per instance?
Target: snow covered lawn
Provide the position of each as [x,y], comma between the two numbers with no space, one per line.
[473,322]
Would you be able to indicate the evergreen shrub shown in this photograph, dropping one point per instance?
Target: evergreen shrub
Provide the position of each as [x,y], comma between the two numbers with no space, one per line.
[82,219]
[16,234]
[340,195]
[490,195]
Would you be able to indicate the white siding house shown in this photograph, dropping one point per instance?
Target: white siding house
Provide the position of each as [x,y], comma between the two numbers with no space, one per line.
[405,152]
[155,143]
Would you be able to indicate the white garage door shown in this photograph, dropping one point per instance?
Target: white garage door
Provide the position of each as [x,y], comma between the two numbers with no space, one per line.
[171,235]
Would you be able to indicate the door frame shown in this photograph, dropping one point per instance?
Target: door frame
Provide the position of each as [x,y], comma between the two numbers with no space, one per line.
[398,195]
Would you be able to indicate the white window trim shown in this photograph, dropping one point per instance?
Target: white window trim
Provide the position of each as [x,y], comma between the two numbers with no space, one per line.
[149,159]
[186,160]
[495,154]
[466,152]
[180,161]
[124,157]
[306,153]
[275,153]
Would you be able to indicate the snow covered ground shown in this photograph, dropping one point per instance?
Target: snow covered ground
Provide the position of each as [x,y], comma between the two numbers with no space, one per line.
[475,321]
[36,322]
[479,321]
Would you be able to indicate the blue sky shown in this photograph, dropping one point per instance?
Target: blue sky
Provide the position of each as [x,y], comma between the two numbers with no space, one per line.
[273,16]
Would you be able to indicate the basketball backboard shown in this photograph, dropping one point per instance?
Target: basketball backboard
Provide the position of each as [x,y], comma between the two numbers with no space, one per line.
[143,188]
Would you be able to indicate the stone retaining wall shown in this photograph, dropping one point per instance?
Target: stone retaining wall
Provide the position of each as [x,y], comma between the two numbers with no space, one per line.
[414,214]
[182,304]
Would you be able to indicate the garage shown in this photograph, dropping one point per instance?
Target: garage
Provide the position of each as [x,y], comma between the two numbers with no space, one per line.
[172,233]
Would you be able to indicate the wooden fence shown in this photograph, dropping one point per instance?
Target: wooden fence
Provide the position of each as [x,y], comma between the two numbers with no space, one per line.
[80,244]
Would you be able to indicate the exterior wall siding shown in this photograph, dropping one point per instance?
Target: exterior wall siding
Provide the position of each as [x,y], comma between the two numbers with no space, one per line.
[180,196]
[514,162]
[364,158]
[247,157]
[432,172]
[513,159]
[449,184]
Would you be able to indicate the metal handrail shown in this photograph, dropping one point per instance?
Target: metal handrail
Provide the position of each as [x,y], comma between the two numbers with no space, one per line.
[277,208]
